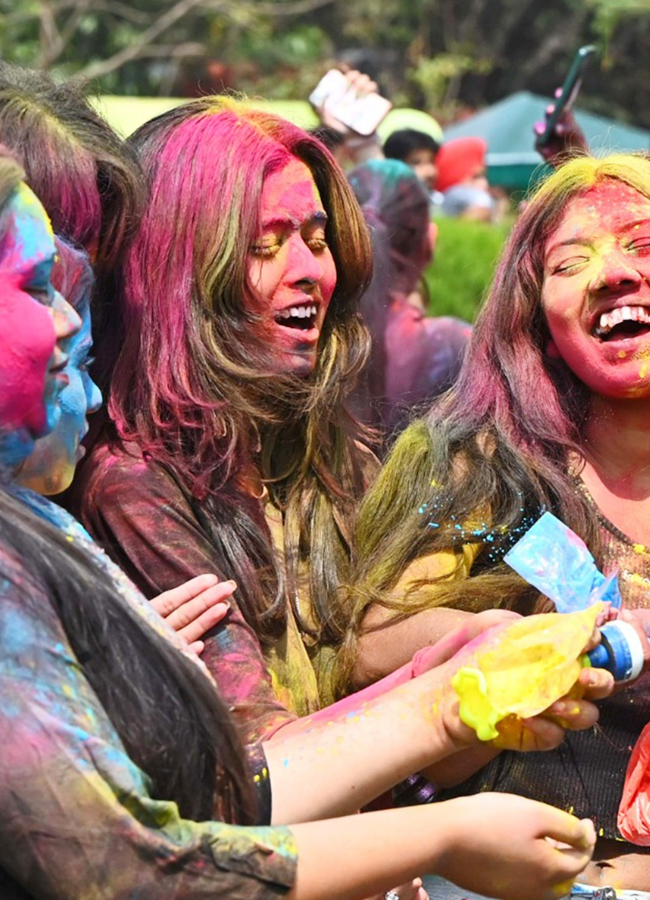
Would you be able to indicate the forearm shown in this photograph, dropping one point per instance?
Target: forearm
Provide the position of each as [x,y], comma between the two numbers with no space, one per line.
[383,650]
[454,769]
[362,855]
[343,762]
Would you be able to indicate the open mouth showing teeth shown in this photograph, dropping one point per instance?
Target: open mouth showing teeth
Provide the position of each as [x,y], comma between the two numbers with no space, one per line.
[621,323]
[301,317]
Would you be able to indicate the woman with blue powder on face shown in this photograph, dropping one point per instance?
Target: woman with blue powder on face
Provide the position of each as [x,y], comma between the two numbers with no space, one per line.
[195,606]
[121,769]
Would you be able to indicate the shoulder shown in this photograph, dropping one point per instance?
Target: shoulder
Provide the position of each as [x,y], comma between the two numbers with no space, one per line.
[118,475]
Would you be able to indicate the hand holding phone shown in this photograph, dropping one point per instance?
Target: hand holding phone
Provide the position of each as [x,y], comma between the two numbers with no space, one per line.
[560,132]
[350,100]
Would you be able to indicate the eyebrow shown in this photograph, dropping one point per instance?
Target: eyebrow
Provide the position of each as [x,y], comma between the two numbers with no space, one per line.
[584,242]
[316,218]
[33,271]
[571,242]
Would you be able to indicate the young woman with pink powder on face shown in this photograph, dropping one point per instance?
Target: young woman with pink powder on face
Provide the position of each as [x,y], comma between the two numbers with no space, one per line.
[551,412]
[231,447]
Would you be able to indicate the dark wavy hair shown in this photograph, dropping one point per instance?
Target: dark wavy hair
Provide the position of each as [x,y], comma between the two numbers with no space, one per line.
[496,449]
[218,407]
[143,682]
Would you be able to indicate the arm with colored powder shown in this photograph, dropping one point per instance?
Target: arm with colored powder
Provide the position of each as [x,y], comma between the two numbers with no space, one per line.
[79,821]
[410,721]
[387,641]
[78,816]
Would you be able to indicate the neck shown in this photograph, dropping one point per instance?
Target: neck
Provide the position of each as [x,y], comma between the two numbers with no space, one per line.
[616,441]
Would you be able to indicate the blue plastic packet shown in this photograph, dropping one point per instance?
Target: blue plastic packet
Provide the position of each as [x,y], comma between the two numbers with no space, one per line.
[558,563]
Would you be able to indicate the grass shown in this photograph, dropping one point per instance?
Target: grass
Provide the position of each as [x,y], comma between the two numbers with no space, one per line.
[465,259]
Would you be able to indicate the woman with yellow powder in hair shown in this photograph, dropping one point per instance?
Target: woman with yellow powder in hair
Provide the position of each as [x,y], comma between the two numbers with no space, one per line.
[550,413]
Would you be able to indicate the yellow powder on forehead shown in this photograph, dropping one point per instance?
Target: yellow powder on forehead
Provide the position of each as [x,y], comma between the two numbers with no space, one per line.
[31,201]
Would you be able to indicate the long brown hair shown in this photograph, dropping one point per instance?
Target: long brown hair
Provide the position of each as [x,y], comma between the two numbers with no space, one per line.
[219,406]
[495,451]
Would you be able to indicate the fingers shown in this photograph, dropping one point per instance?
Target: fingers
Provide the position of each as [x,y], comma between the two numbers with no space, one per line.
[546,731]
[526,735]
[596,684]
[571,842]
[197,627]
[361,83]
[566,830]
[576,715]
[168,601]
[412,890]
[196,606]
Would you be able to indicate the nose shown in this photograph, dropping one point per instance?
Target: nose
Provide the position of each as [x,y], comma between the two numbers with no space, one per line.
[93,395]
[616,270]
[304,267]
[66,321]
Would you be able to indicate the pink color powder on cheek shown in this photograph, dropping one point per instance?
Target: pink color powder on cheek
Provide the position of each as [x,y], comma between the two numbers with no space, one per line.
[27,341]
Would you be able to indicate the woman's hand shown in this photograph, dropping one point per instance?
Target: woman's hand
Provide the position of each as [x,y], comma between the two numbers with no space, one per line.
[575,712]
[545,731]
[566,138]
[516,848]
[195,607]
[442,651]
[358,82]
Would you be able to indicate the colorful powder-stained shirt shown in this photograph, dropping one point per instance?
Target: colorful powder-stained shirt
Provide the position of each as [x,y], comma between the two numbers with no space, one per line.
[147,523]
[78,819]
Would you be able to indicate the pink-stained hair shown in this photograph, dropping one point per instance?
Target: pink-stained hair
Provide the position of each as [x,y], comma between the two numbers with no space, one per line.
[496,449]
[194,383]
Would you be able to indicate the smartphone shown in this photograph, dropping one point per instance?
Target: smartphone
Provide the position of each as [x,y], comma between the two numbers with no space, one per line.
[336,96]
[569,92]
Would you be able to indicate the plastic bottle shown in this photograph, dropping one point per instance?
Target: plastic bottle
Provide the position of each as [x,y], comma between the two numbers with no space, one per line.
[620,651]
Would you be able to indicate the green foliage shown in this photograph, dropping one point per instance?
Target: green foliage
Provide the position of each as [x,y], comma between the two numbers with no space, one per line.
[287,64]
[445,56]
[465,259]
[435,76]
[608,14]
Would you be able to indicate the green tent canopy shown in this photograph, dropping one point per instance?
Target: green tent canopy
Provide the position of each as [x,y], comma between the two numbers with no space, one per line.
[507,126]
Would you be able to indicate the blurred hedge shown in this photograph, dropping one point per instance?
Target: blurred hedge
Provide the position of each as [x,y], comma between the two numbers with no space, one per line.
[465,259]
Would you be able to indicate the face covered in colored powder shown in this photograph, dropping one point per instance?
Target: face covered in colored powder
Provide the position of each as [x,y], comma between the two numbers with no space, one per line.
[35,325]
[596,291]
[292,268]
[50,467]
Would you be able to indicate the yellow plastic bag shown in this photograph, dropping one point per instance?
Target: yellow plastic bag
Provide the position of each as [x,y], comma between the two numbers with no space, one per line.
[521,669]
